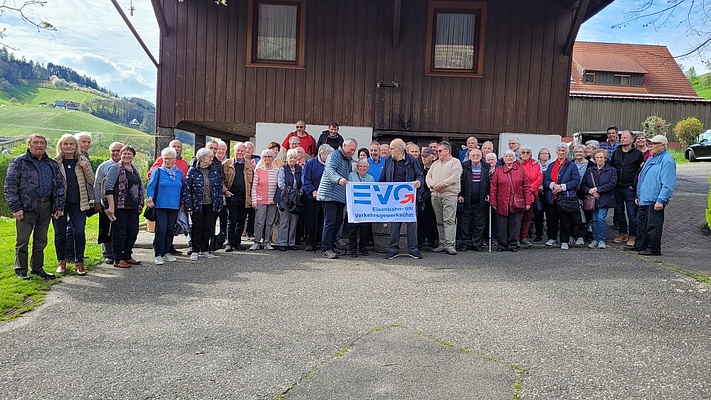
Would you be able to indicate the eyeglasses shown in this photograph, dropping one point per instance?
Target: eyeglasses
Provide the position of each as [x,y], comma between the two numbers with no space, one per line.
[267,156]
[525,152]
[302,127]
[439,151]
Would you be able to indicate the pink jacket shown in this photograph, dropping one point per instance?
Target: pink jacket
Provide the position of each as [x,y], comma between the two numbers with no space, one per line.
[264,185]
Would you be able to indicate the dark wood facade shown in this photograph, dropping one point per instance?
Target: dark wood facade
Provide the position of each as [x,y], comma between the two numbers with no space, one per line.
[206,86]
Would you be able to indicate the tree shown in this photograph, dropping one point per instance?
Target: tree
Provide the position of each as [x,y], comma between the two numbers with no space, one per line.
[688,130]
[691,74]
[655,125]
[19,9]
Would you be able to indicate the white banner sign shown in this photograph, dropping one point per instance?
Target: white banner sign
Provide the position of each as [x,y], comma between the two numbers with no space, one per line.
[381,201]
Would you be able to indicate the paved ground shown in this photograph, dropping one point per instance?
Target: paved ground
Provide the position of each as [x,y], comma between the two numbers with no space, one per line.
[538,324]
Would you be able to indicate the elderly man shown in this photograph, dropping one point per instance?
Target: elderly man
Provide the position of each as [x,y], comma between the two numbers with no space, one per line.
[443,179]
[654,191]
[486,148]
[402,167]
[474,197]
[107,248]
[311,179]
[330,137]
[376,162]
[426,230]
[472,144]
[514,145]
[626,160]
[332,192]
[414,150]
[182,165]
[237,188]
[34,190]
[306,141]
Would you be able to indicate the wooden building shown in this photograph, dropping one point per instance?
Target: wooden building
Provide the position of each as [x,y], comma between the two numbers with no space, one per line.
[418,69]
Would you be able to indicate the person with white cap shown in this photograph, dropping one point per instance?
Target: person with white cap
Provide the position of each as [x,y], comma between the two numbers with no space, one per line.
[654,191]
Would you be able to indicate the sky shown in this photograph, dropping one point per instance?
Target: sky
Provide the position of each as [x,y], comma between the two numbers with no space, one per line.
[92,39]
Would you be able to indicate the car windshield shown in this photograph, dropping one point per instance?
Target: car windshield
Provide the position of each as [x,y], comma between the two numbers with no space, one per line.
[705,137]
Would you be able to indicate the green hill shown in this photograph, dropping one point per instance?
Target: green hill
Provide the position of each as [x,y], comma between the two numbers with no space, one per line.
[34,95]
[702,85]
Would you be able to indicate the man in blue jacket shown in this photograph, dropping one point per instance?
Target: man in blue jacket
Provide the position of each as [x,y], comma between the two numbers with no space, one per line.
[654,191]
[313,209]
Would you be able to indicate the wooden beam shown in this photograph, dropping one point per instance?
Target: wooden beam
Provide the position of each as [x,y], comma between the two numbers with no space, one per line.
[135,33]
[160,17]
[396,23]
[575,27]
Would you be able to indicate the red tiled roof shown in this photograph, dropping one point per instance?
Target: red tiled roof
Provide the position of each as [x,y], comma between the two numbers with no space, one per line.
[662,74]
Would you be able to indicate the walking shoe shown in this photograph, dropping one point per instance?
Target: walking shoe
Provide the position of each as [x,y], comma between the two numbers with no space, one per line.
[282,248]
[268,246]
[108,261]
[23,276]
[254,246]
[580,242]
[632,241]
[330,254]
[209,255]
[159,260]
[550,242]
[62,268]
[593,244]
[439,249]
[526,243]
[44,274]
[622,238]
[477,249]
[122,264]
[538,239]
[633,248]
[133,262]
[463,248]
[364,252]
[309,248]
[390,255]
[169,257]
[193,256]
[564,246]
[601,245]
[451,251]
[416,255]
[354,253]
[228,249]
[649,252]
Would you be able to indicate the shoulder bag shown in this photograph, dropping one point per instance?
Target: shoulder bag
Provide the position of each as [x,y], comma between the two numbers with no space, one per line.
[589,201]
[150,212]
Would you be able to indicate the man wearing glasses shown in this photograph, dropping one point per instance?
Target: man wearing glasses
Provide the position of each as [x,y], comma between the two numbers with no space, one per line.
[307,141]
[443,179]
[107,248]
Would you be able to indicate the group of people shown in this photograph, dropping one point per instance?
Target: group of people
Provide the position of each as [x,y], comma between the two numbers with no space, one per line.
[299,188]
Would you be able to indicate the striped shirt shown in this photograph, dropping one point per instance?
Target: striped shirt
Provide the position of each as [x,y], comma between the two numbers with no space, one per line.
[264,185]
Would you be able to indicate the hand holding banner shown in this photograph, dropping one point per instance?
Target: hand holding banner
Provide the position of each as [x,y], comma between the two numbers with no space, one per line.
[381,201]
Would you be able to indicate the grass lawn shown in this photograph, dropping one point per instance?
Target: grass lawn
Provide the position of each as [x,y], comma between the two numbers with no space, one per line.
[678,156]
[18,296]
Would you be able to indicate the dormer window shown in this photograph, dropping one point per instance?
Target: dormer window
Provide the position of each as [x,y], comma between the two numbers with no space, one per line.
[622,80]
[589,78]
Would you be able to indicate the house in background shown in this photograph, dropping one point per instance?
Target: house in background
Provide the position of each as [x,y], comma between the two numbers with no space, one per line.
[623,84]
[415,69]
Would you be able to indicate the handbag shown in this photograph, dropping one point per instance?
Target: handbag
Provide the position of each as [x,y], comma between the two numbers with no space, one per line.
[590,201]
[150,212]
[568,204]
[519,200]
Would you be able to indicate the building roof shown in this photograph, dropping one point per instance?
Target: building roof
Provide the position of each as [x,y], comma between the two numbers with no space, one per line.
[662,75]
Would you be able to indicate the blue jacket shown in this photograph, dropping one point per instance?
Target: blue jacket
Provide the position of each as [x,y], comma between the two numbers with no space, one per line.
[22,183]
[193,192]
[311,176]
[171,191]
[605,180]
[337,166]
[568,177]
[657,180]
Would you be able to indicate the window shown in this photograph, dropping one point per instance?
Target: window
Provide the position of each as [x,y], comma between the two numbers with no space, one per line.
[623,80]
[455,39]
[589,78]
[276,33]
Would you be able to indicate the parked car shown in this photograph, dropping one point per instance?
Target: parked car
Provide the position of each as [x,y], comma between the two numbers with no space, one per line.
[701,150]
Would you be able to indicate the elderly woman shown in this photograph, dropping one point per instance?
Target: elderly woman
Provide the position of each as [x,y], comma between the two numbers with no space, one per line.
[165,191]
[510,196]
[313,210]
[560,182]
[202,199]
[582,163]
[535,179]
[289,177]
[544,158]
[590,147]
[359,234]
[124,195]
[78,183]
[264,185]
[492,159]
[600,182]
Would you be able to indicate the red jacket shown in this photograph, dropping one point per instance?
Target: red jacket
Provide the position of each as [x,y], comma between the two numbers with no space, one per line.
[507,184]
[535,176]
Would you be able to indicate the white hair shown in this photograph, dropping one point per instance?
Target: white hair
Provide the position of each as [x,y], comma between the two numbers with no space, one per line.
[202,153]
[292,152]
[509,151]
[267,152]
[350,141]
[80,135]
[168,151]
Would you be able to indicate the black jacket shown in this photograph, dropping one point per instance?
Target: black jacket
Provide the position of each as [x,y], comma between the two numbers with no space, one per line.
[466,182]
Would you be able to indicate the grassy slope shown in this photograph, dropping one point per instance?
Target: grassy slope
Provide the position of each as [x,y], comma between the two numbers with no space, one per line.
[701,89]
[33,95]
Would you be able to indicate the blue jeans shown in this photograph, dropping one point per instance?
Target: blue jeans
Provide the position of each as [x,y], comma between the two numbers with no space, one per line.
[598,224]
[165,226]
[624,200]
[77,219]
[332,221]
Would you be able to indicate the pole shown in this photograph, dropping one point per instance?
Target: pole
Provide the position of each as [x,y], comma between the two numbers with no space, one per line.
[489,229]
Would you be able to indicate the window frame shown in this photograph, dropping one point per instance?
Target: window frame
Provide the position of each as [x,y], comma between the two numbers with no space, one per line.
[622,80]
[454,7]
[585,81]
[252,30]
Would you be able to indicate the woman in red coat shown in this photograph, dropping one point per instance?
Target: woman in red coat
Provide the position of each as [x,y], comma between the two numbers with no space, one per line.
[535,179]
[510,197]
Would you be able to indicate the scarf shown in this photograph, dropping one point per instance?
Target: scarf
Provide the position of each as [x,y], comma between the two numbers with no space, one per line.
[123,190]
[170,172]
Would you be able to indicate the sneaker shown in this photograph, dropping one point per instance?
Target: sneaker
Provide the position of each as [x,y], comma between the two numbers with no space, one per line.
[416,255]
[364,252]
[169,257]
[309,248]
[330,254]
[564,246]
[193,256]
[391,255]
[451,251]
[526,243]
[228,249]
[601,245]
[632,241]
[593,244]
[622,238]
[159,260]
[580,242]
[255,246]
[268,246]
[439,249]
[201,254]
[209,255]
[550,242]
